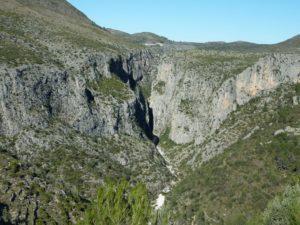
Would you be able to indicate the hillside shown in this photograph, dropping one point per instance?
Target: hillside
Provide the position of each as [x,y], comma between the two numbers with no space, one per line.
[144,38]
[211,128]
[250,173]
[289,46]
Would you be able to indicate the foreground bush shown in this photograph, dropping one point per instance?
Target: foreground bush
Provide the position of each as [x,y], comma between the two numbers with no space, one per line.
[119,203]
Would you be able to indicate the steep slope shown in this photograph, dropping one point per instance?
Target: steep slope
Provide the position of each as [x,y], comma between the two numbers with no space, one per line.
[51,7]
[72,113]
[195,93]
[44,34]
[293,42]
[79,103]
[216,114]
[236,185]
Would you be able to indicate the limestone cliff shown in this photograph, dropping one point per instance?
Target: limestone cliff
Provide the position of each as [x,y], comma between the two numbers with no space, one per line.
[80,103]
[191,102]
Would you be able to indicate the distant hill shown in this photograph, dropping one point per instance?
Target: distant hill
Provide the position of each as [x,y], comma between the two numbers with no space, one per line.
[55,6]
[293,42]
[150,38]
[142,38]
[290,45]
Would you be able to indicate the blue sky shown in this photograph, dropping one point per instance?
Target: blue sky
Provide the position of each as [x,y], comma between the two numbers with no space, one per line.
[260,21]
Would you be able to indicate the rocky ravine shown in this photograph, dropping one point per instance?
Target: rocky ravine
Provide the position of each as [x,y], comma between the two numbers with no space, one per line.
[79,103]
[32,97]
[82,125]
[192,105]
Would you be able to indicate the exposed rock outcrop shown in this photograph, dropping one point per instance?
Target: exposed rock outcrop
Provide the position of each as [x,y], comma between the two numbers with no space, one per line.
[80,124]
[34,95]
[193,104]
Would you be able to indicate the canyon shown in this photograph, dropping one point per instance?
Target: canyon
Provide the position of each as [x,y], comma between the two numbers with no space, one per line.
[80,103]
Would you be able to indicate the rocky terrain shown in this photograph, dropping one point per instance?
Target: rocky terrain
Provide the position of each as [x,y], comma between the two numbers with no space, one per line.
[80,103]
[191,102]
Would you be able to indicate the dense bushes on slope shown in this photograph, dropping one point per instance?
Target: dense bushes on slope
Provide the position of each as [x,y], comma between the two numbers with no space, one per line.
[237,185]
[283,210]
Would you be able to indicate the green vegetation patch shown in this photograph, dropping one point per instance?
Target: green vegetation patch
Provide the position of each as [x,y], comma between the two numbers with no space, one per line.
[282,210]
[146,90]
[288,115]
[164,139]
[112,87]
[215,63]
[120,203]
[11,23]
[186,106]
[172,149]
[297,89]
[160,87]
[85,42]
[15,54]
[21,44]
[210,59]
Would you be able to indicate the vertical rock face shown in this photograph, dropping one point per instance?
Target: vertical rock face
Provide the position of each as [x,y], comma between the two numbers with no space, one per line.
[79,103]
[266,75]
[192,104]
[35,95]
[64,130]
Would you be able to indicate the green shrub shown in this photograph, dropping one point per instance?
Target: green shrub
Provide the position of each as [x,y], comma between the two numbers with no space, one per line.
[14,166]
[283,210]
[160,87]
[119,203]
[4,215]
[16,54]
[285,115]
[236,218]
[112,87]
[165,140]
[297,89]
[186,106]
